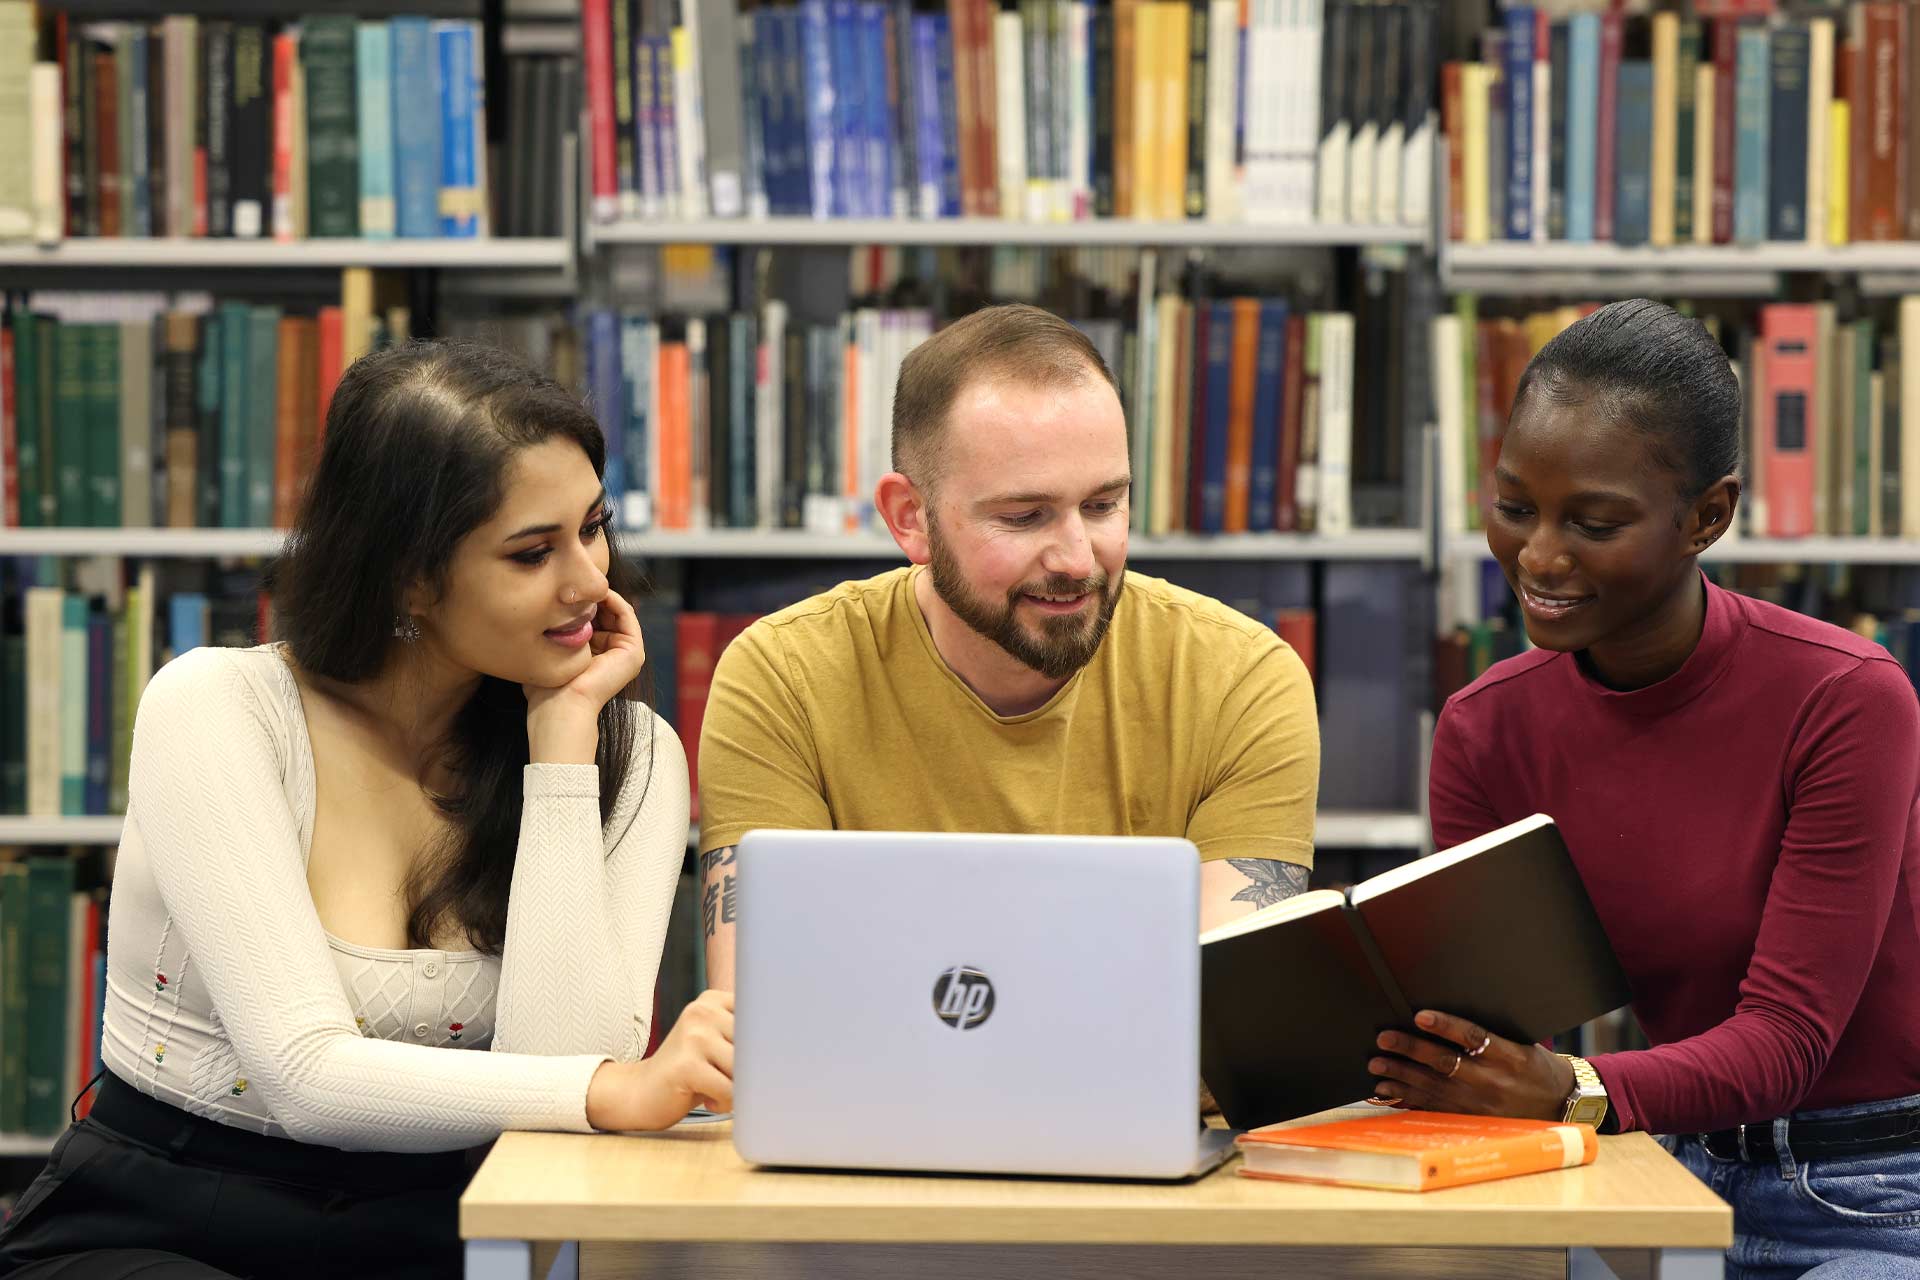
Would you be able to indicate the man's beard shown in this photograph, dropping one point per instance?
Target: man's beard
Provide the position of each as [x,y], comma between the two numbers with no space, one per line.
[1063,645]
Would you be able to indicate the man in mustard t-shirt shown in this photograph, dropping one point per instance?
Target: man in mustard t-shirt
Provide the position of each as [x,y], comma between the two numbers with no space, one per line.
[1014,677]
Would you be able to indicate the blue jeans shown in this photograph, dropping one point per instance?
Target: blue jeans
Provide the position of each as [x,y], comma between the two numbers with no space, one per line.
[1826,1219]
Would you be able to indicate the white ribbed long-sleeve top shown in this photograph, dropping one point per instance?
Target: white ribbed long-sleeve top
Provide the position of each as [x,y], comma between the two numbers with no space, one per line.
[227,998]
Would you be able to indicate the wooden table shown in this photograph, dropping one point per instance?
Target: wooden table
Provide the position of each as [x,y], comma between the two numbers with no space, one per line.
[683,1203]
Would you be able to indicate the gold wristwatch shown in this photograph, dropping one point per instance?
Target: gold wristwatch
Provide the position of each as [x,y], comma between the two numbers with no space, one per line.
[1587,1104]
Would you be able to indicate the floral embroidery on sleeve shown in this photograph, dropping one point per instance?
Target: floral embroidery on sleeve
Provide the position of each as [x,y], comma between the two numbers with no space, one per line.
[239,1086]
[454,1029]
[159,982]
[159,1052]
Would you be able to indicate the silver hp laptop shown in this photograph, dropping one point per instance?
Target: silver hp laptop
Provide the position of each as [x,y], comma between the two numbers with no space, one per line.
[970,1004]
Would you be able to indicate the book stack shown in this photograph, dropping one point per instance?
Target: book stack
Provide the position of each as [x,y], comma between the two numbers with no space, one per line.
[52,991]
[1729,124]
[1038,111]
[328,126]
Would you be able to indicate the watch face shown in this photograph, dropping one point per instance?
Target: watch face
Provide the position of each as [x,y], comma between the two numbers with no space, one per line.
[1588,1111]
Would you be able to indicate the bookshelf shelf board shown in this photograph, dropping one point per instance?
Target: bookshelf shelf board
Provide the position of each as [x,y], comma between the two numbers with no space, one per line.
[19,830]
[498,253]
[1365,544]
[994,231]
[26,1144]
[1762,550]
[1782,256]
[1360,829]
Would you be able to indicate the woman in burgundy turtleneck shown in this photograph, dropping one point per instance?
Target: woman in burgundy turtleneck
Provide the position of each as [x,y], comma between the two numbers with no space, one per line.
[1737,784]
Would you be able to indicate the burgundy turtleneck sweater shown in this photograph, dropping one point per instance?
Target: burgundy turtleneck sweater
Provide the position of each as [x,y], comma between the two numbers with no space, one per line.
[1747,830]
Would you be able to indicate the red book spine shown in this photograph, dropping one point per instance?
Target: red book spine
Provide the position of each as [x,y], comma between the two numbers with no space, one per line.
[1296,627]
[1610,38]
[1788,335]
[596,34]
[332,353]
[1286,504]
[697,641]
[1453,127]
[1881,217]
[1725,126]
[986,112]
[284,53]
[959,24]
[106,106]
[9,433]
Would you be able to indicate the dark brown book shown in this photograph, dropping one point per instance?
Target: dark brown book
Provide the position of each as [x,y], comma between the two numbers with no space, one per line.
[1726,131]
[1286,504]
[1877,217]
[1498,930]
[74,66]
[986,111]
[105,143]
[180,398]
[1196,175]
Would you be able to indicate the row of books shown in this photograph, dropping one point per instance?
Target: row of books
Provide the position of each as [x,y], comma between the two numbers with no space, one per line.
[53,961]
[1667,129]
[325,126]
[140,410]
[1829,399]
[1041,110]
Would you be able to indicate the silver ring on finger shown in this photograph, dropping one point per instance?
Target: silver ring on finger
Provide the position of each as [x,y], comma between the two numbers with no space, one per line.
[1455,1070]
[1482,1048]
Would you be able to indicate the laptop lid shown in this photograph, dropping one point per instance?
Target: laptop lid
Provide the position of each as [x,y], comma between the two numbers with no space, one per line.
[967,1003]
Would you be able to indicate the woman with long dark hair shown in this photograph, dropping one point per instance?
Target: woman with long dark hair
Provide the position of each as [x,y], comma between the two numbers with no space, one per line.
[1737,784]
[397,883]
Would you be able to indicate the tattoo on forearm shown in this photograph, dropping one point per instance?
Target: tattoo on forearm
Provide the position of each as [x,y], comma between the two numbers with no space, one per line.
[1273,881]
[717,893]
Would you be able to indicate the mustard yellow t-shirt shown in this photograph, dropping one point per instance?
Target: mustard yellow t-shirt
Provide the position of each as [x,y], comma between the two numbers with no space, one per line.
[838,713]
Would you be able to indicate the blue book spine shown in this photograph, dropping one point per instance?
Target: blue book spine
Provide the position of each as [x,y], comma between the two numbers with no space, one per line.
[1520,109]
[636,379]
[1787,133]
[849,110]
[74,665]
[950,203]
[142,105]
[1633,156]
[821,105]
[608,390]
[793,112]
[1213,456]
[929,138]
[99,710]
[373,80]
[645,125]
[663,173]
[1583,121]
[1753,80]
[186,621]
[416,128]
[766,79]
[458,196]
[879,123]
[1267,412]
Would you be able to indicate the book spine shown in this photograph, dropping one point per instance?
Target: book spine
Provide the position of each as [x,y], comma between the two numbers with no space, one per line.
[1560,73]
[73,706]
[135,127]
[260,412]
[286,52]
[250,180]
[1270,379]
[1520,108]
[929,140]
[1787,133]
[1750,193]
[29,390]
[1664,165]
[44,112]
[952,197]
[1605,131]
[103,140]
[373,88]
[134,407]
[1726,116]
[333,146]
[1563,1147]
[876,124]
[416,126]
[1880,160]
[459,196]
[49,892]
[13,983]
[1686,85]
[719,74]
[235,331]
[99,638]
[1633,164]
[9,438]
[217,88]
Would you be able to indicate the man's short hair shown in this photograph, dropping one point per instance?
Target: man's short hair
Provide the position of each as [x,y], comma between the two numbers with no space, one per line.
[1016,342]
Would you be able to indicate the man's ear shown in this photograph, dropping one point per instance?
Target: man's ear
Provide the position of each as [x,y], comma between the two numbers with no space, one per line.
[904,507]
[1711,514]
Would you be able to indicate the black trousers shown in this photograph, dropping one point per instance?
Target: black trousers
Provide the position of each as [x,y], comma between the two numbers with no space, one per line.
[141,1188]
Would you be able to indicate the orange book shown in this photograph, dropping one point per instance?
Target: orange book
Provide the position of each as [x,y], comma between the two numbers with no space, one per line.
[1415,1150]
[293,429]
[332,363]
[676,444]
[1243,374]
[1170,166]
[1125,14]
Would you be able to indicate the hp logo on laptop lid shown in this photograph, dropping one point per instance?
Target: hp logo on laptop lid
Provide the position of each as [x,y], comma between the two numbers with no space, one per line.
[963,997]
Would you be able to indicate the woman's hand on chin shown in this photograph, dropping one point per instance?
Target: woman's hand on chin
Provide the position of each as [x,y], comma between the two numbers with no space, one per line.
[563,721]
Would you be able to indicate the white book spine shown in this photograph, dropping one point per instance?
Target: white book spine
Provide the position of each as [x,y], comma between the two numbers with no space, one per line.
[1703,153]
[1819,102]
[1336,424]
[1010,114]
[43,701]
[1542,134]
[1447,412]
[1223,84]
[689,122]
[49,206]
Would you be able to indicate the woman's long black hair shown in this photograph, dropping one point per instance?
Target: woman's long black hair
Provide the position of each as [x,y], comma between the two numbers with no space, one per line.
[418,443]
[1655,370]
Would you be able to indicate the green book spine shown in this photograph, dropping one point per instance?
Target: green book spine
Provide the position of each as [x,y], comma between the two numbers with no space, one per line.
[26,413]
[122,712]
[13,997]
[235,320]
[73,704]
[263,413]
[1467,307]
[49,904]
[47,483]
[103,425]
[70,412]
[1863,427]
[333,133]
[13,726]
[207,385]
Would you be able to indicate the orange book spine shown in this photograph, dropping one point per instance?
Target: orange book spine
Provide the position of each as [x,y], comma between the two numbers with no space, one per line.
[1244,373]
[959,19]
[676,445]
[285,53]
[1125,17]
[986,110]
[1505,1158]
[1171,113]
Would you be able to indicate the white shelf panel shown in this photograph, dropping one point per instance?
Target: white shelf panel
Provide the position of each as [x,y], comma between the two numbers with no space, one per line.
[107,253]
[993,231]
[26,1144]
[1365,544]
[1760,550]
[1356,829]
[19,830]
[1530,256]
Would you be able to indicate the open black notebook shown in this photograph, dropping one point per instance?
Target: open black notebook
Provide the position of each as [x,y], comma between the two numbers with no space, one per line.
[1499,930]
